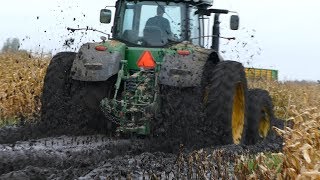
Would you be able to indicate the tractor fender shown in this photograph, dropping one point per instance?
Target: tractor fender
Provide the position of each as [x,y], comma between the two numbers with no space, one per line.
[185,71]
[93,65]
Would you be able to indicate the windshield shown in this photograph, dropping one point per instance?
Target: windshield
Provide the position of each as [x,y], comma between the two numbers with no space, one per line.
[151,23]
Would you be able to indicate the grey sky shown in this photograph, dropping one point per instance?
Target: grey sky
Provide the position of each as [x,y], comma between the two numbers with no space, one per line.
[285,33]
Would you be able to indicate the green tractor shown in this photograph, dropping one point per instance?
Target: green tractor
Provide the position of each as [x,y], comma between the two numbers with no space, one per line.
[155,78]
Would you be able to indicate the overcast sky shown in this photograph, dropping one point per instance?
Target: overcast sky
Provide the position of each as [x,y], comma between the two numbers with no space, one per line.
[276,34]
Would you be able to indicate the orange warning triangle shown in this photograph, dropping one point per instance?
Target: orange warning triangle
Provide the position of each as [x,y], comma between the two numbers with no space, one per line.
[146,61]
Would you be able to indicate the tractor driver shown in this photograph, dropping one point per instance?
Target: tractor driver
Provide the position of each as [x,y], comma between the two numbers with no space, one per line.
[160,21]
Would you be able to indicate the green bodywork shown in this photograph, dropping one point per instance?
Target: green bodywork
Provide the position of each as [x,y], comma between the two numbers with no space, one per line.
[132,54]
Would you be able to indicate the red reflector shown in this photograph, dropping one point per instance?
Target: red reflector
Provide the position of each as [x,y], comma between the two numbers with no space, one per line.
[183,52]
[146,61]
[101,48]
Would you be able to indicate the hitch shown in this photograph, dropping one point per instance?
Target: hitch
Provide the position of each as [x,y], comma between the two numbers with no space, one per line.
[135,108]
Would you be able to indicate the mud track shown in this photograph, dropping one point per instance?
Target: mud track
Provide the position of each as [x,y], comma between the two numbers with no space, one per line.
[99,157]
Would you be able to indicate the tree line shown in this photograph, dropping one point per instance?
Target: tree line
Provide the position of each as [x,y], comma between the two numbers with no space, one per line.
[11,45]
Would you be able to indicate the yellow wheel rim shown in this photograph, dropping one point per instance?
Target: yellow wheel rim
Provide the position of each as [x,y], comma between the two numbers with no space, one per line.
[238,114]
[264,123]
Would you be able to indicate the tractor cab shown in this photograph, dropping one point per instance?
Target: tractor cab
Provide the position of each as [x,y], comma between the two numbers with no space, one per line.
[157,23]
[165,23]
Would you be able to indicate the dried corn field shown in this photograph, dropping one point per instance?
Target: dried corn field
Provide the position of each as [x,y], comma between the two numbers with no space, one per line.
[298,103]
[20,85]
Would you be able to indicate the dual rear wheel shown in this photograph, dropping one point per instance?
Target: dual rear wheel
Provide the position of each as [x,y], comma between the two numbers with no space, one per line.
[235,114]
[225,102]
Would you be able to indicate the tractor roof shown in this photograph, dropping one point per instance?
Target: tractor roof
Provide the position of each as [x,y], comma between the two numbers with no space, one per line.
[207,2]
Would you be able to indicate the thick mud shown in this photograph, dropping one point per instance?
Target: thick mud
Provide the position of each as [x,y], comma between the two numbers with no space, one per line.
[102,157]
[68,157]
[30,151]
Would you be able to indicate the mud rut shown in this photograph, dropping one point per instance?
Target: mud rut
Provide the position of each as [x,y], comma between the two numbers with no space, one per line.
[99,156]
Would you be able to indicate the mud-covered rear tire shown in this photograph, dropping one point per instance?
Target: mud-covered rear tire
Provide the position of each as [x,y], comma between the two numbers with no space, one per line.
[69,106]
[225,102]
[260,116]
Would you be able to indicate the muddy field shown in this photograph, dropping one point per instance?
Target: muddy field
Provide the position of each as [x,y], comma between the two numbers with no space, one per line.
[97,157]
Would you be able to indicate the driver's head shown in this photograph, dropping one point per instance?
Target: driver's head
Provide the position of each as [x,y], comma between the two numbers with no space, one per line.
[160,10]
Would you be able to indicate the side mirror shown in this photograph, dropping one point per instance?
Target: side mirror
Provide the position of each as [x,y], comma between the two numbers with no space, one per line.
[234,22]
[105,16]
